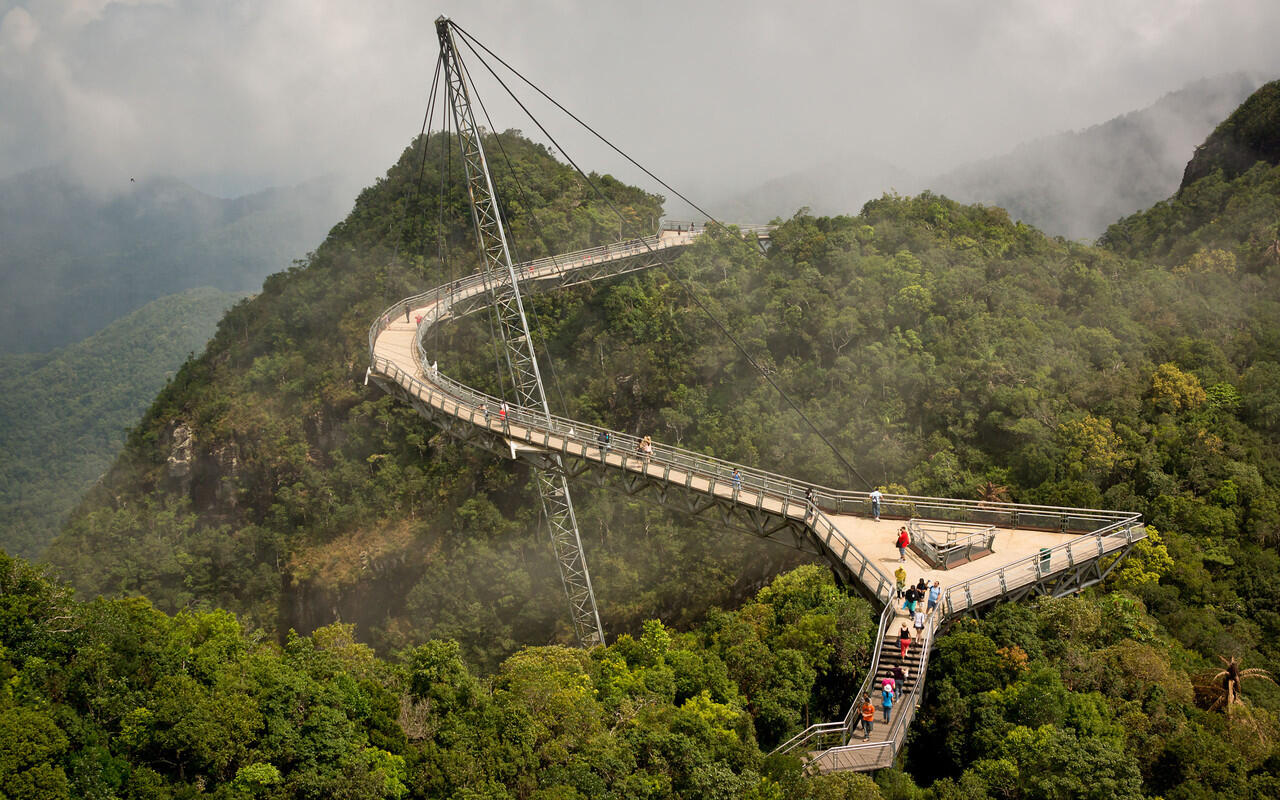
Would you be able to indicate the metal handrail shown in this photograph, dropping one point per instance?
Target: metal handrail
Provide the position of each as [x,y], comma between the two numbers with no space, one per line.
[1000,575]
[579,439]
[819,731]
[875,752]
[962,541]
[782,489]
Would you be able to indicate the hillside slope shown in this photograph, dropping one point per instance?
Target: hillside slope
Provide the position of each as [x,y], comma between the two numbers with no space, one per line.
[64,414]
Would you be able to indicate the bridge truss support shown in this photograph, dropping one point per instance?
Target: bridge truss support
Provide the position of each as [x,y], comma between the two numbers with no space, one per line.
[522,362]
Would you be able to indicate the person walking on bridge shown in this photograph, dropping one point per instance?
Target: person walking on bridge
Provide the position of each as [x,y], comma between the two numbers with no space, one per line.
[934,592]
[875,503]
[900,576]
[605,439]
[868,712]
[886,700]
[903,542]
[911,596]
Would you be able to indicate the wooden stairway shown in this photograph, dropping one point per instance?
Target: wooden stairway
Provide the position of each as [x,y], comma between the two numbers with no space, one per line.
[891,656]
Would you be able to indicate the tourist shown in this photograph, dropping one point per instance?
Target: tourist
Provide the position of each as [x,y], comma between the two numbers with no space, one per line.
[900,576]
[912,597]
[903,542]
[899,677]
[886,700]
[868,717]
[904,640]
[935,591]
[875,503]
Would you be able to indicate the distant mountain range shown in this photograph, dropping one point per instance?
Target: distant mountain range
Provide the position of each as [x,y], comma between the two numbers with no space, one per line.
[73,261]
[1070,184]
[1076,184]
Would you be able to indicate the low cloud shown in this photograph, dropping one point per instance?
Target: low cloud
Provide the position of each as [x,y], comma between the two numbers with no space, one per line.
[711,95]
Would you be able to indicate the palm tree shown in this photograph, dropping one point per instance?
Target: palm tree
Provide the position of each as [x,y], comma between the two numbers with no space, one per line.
[1221,689]
[1273,250]
[992,492]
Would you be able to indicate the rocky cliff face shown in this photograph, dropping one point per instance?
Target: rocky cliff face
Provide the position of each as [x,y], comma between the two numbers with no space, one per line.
[1251,134]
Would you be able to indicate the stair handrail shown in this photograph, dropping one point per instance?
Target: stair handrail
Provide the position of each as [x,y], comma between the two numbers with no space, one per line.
[846,726]
[898,725]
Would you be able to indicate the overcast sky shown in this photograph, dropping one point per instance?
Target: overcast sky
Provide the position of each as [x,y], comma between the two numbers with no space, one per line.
[240,94]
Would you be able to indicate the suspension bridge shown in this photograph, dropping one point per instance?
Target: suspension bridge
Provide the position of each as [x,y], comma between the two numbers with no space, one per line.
[981,553]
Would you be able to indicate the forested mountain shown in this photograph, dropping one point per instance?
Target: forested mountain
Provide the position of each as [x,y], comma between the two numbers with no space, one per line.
[75,259]
[942,347]
[64,414]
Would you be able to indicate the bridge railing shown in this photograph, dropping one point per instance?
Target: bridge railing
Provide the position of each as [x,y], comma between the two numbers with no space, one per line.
[999,581]
[825,735]
[776,494]
[767,491]
[874,755]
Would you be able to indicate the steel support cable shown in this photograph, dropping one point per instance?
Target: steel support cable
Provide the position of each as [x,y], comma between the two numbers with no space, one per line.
[425,135]
[468,39]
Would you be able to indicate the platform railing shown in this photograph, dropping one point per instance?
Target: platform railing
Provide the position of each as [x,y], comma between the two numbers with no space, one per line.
[999,581]
[945,544]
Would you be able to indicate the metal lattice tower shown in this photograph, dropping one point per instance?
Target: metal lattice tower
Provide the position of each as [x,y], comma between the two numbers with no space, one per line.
[522,362]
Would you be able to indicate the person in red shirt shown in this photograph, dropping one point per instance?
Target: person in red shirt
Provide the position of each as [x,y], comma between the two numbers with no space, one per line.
[903,541]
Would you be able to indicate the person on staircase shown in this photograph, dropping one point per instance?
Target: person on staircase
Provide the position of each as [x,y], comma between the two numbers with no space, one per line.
[904,640]
[868,712]
[886,701]
[911,596]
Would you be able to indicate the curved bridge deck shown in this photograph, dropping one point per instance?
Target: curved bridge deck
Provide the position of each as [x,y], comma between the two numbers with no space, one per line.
[1036,548]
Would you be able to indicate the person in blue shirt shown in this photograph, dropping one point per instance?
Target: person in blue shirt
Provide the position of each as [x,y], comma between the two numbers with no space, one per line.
[886,701]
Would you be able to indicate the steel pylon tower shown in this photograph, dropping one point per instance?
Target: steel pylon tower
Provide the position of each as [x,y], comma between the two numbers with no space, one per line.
[522,362]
